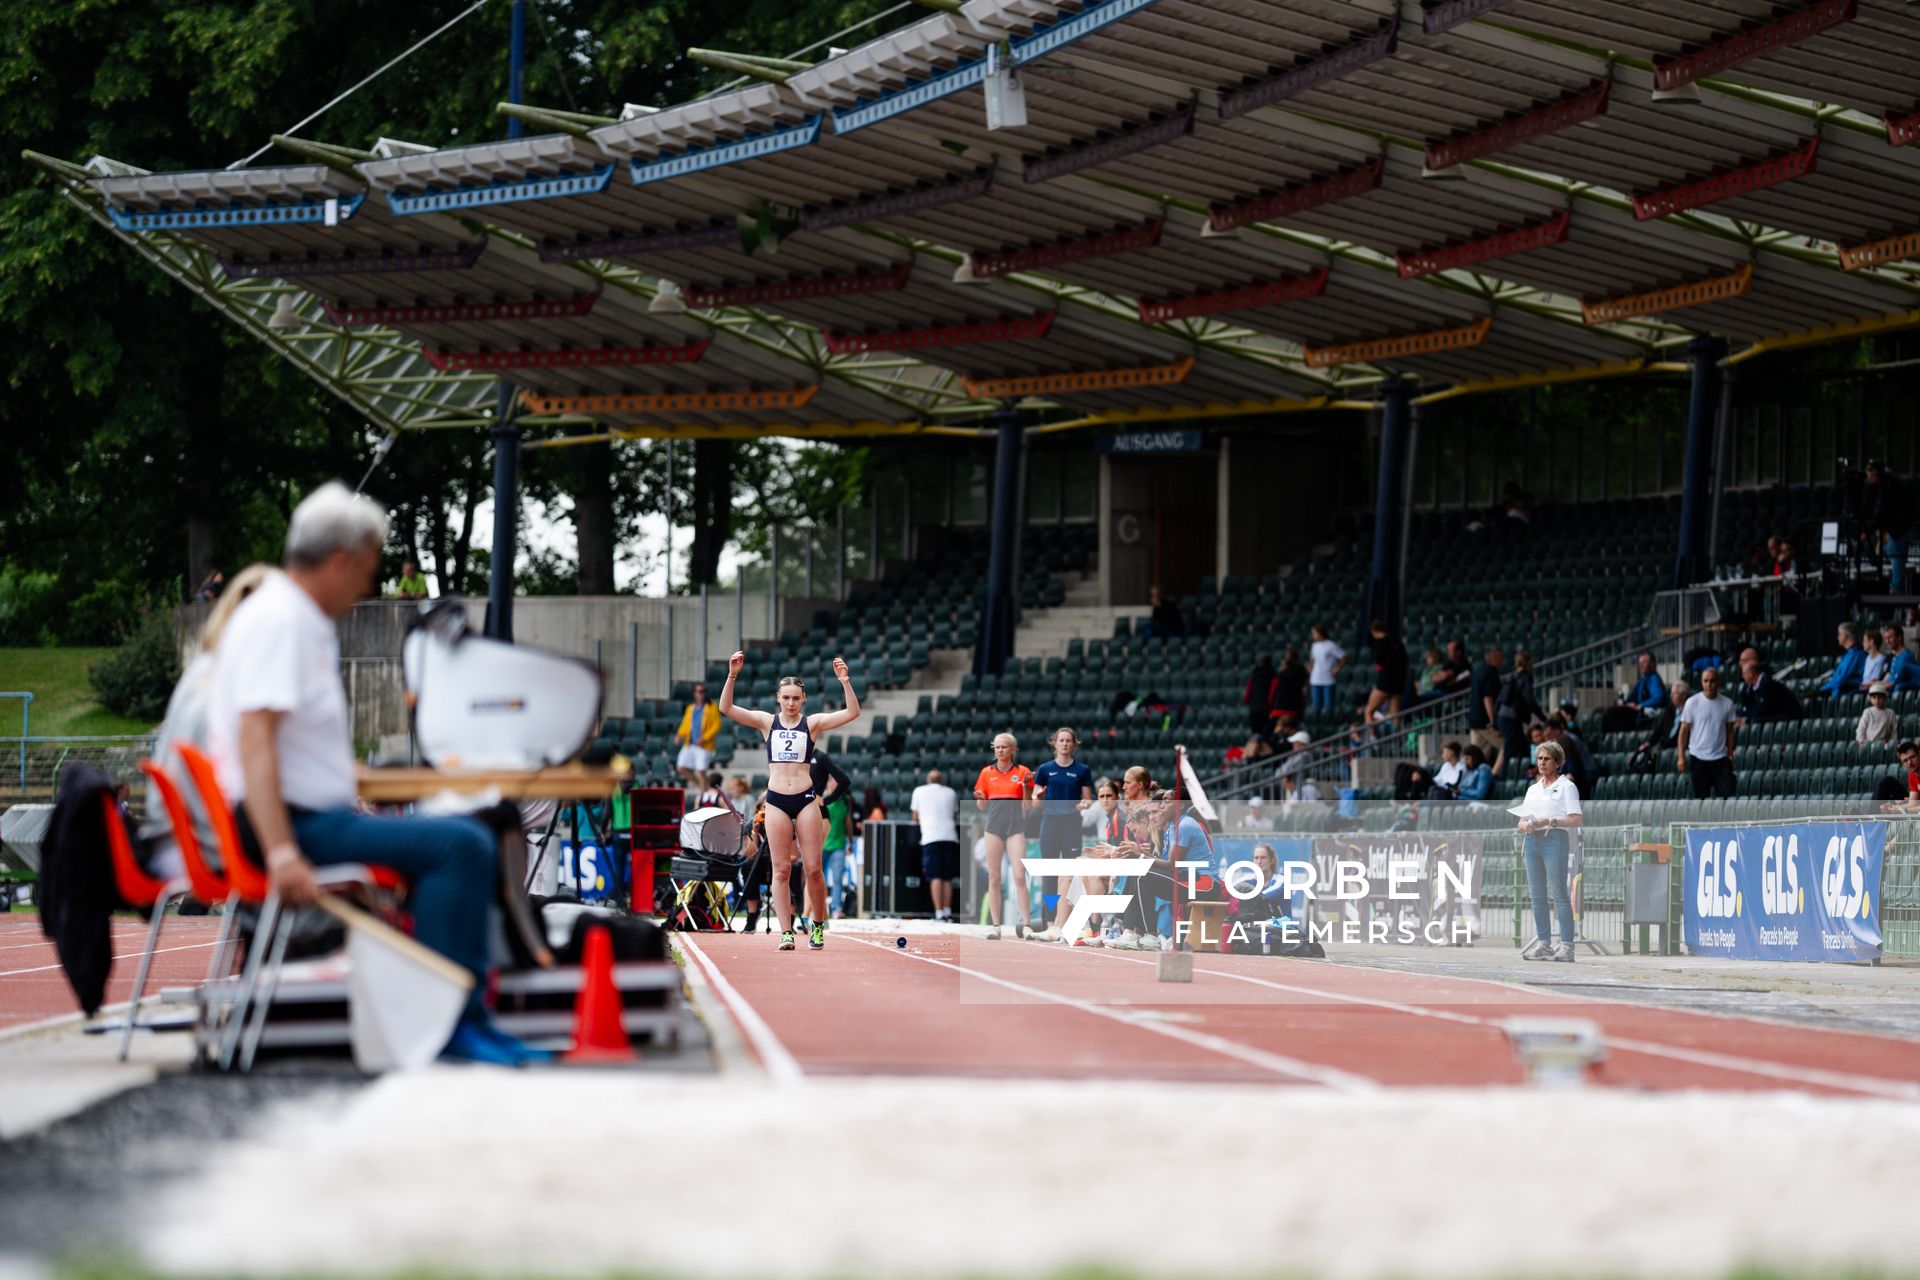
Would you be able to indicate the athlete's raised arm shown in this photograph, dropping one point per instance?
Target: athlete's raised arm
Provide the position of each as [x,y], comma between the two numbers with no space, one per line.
[827,721]
[759,720]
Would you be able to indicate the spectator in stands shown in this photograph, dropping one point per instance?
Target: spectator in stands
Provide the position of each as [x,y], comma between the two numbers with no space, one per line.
[1515,710]
[1763,699]
[1910,761]
[1552,807]
[1664,733]
[936,810]
[1878,723]
[1434,675]
[712,796]
[1783,560]
[698,732]
[1298,789]
[1389,671]
[1516,504]
[1761,560]
[1578,761]
[1290,693]
[278,730]
[1167,621]
[413,583]
[1705,746]
[1295,760]
[1459,666]
[1483,697]
[1477,784]
[1846,675]
[1256,818]
[1649,691]
[1263,688]
[1889,507]
[1903,672]
[1325,659]
[1447,778]
[1877,663]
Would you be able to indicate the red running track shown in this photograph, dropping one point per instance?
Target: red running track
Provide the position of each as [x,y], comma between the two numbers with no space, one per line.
[33,989]
[953,1006]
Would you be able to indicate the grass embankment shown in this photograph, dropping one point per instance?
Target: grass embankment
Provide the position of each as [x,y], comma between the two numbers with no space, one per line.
[63,701]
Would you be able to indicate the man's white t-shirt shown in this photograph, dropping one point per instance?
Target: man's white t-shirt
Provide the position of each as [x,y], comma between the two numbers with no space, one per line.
[1709,718]
[937,808]
[281,653]
[1323,655]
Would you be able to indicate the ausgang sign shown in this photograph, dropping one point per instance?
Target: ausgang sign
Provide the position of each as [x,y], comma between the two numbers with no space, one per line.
[1182,441]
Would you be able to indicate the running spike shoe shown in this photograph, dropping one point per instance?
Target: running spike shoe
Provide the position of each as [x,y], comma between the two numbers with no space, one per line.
[817,936]
[786,940]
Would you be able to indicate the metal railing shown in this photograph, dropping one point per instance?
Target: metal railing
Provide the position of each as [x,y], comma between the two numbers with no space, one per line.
[41,759]
[1332,759]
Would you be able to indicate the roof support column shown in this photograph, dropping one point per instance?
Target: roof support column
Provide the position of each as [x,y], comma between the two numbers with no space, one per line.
[1384,578]
[506,511]
[1693,561]
[995,643]
[506,432]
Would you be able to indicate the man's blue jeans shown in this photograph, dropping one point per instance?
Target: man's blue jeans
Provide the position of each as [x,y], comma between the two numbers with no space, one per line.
[1546,853]
[1322,696]
[449,864]
[836,876]
[1897,553]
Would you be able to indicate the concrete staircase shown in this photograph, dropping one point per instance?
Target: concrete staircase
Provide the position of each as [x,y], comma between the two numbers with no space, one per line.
[1043,633]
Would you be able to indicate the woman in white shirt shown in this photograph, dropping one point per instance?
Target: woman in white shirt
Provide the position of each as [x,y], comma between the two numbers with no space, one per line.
[1551,809]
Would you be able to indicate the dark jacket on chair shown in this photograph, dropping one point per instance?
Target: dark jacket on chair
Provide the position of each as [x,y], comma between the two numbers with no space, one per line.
[77,891]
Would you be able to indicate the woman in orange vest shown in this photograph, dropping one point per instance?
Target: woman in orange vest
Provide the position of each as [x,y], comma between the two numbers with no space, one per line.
[1004,790]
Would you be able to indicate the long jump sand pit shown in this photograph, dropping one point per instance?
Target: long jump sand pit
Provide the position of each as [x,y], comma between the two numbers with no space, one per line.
[586,1173]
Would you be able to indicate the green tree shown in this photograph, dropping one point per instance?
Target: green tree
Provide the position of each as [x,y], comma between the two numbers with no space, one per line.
[150,440]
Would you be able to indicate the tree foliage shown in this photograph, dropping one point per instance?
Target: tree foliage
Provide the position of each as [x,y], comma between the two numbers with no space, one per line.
[150,440]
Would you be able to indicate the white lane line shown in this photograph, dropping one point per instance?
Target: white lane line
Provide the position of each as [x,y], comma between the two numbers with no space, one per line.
[129,933]
[1899,1091]
[131,955]
[1294,1068]
[781,1066]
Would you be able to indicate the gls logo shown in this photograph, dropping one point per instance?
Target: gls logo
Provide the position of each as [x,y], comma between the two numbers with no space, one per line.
[1716,894]
[1843,878]
[1780,893]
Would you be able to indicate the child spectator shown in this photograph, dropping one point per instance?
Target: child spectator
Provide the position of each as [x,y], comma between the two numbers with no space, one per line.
[1879,723]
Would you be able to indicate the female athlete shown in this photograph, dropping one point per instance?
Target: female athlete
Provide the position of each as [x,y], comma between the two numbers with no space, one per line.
[795,824]
[1003,789]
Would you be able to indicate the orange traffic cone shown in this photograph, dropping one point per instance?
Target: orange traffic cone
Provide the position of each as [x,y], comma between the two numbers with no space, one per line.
[597,1033]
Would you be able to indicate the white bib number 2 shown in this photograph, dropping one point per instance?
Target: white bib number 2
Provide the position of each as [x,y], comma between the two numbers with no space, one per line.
[789,746]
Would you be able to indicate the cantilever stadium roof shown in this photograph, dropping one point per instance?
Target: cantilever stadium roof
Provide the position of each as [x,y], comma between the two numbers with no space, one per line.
[1213,206]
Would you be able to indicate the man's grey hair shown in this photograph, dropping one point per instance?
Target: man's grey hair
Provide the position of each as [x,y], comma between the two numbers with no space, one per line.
[333,518]
[1851,630]
[933,777]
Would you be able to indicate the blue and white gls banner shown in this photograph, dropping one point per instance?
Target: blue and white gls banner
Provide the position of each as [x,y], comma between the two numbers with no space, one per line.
[1809,891]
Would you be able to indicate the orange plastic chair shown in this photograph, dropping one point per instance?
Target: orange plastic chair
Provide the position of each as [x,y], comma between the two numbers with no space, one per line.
[142,892]
[207,885]
[250,884]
